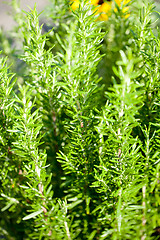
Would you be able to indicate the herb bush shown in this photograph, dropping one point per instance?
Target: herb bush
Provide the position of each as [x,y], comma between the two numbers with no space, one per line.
[79,123]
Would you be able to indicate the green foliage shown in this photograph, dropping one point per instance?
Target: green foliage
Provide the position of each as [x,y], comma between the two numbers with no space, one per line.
[79,124]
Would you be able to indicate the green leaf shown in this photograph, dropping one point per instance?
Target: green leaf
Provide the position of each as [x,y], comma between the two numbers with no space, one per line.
[32,215]
[72,205]
[7,206]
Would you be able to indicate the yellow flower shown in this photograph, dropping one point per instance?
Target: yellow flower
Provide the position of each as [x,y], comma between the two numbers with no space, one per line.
[75,4]
[124,2]
[94,2]
[125,10]
[104,8]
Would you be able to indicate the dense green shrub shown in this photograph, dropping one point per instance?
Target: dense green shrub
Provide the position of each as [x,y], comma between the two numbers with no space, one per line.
[79,121]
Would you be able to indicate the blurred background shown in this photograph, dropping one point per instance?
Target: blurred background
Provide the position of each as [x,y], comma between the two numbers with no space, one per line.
[6,19]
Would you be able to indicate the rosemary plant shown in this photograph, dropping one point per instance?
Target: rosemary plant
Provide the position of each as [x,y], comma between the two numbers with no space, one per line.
[80,117]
